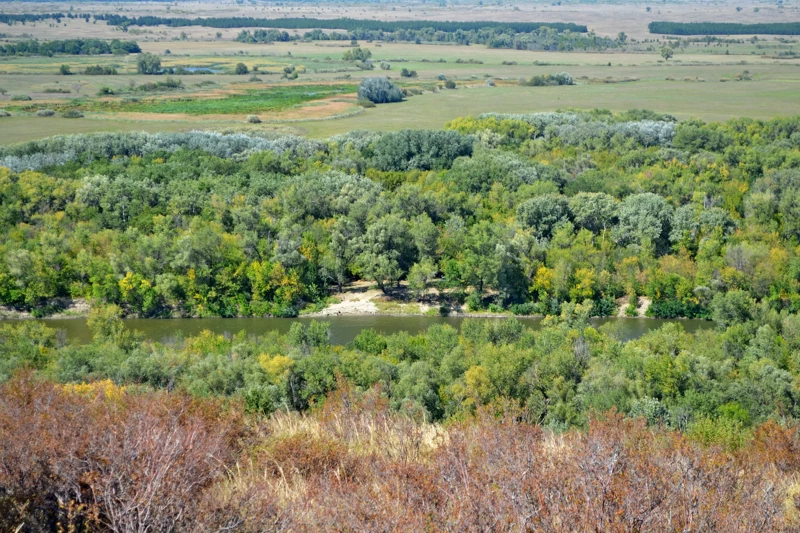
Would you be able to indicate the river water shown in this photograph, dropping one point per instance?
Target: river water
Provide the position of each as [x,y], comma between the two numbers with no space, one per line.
[343,328]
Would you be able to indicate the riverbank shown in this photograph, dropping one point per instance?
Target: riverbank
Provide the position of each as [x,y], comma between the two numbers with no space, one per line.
[360,298]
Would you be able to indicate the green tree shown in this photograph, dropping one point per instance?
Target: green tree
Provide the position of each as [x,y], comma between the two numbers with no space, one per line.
[544,213]
[419,277]
[148,64]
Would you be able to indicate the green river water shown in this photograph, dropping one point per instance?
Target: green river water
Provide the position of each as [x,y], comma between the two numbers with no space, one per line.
[343,328]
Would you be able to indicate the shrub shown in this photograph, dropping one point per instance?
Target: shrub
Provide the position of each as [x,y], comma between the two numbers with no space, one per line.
[357,54]
[72,113]
[379,90]
[105,91]
[99,70]
[562,78]
[528,308]
[45,113]
[19,98]
[406,73]
[420,150]
[254,78]
[64,70]
[253,119]
[385,65]
[449,84]
[241,69]
[363,102]
[4,113]
[489,83]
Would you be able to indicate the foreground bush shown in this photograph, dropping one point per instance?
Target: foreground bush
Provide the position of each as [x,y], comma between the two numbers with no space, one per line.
[92,457]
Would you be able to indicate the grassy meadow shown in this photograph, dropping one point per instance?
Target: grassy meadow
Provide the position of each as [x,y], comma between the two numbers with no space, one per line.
[698,81]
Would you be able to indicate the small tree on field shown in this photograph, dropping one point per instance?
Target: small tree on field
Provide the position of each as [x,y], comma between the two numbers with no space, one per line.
[240,69]
[379,90]
[357,54]
[64,70]
[667,53]
[148,64]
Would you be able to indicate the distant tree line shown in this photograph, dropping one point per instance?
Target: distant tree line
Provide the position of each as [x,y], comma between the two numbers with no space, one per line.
[69,47]
[724,28]
[10,19]
[334,24]
[543,38]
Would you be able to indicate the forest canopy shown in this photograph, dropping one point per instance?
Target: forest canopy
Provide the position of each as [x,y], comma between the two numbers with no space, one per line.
[517,212]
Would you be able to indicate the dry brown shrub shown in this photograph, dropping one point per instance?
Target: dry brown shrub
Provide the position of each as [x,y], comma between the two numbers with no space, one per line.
[98,458]
[127,463]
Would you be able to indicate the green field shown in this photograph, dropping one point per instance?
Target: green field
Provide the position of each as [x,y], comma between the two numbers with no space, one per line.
[696,82]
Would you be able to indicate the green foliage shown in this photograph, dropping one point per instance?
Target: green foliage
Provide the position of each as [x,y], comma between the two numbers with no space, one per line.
[357,54]
[700,219]
[562,78]
[69,47]
[99,70]
[148,64]
[379,91]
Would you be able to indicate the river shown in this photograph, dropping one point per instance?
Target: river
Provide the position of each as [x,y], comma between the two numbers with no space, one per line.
[343,328]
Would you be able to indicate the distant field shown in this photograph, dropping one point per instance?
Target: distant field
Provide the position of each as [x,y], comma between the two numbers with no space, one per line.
[697,81]
[604,18]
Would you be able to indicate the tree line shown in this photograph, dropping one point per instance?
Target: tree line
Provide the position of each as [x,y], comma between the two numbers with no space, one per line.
[69,47]
[333,24]
[543,38]
[724,28]
[12,18]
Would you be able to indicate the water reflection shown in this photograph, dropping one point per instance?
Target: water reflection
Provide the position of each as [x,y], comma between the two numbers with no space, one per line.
[343,328]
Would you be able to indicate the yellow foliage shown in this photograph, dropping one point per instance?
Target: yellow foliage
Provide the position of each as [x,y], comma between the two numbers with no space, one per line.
[206,342]
[126,284]
[277,366]
[106,388]
[478,383]
[584,284]
[543,280]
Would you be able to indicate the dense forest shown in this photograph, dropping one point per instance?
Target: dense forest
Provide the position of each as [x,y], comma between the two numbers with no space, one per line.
[544,38]
[724,28]
[69,47]
[520,212]
[335,24]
